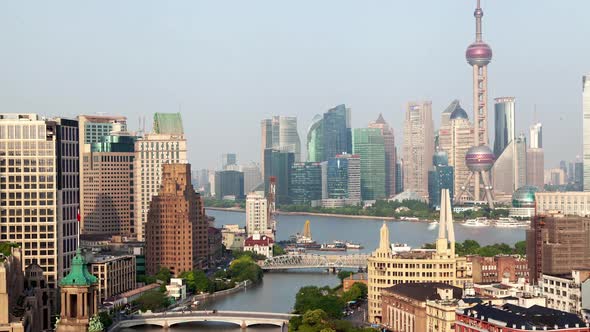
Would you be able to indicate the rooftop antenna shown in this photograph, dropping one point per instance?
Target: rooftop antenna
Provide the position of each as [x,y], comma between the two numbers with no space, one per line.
[535,113]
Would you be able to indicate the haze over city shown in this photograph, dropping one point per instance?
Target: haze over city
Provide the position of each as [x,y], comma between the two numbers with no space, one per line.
[227,65]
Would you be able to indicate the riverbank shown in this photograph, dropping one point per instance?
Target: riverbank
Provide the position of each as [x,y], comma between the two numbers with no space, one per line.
[317,214]
[207,296]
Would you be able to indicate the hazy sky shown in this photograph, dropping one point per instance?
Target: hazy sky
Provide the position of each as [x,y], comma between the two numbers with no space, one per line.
[229,64]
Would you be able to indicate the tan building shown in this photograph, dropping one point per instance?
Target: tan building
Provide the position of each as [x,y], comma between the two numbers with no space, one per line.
[39,188]
[564,292]
[418,146]
[107,187]
[353,279]
[257,218]
[387,268]
[404,306]
[555,176]
[495,269]
[440,314]
[535,163]
[557,244]
[166,144]
[116,275]
[176,231]
[575,203]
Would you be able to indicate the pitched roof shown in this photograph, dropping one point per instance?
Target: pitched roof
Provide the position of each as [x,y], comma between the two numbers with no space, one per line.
[380,119]
[168,123]
[262,241]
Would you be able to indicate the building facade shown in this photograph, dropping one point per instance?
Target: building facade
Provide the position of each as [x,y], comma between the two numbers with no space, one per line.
[280,133]
[176,231]
[536,136]
[166,144]
[504,123]
[568,203]
[440,177]
[344,178]
[487,270]
[252,177]
[369,145]
[305,183]
[564,292]
[229,185]
[418,146]
[511,161]
[278,164]
[586,129]
[390,155]
[116,275]
[259,244]
[257,217]
[535,161]
[329,134]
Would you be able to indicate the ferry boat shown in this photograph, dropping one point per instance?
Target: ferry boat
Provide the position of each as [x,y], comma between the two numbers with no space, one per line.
[334,246]
[510,222]
[351,245]
[477,222]
[400,247]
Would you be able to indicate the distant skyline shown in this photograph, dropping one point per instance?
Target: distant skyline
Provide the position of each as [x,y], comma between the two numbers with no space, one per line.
[226,65]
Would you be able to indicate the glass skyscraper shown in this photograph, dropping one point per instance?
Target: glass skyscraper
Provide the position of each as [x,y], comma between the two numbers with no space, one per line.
[315,140]
[504,124]
[229,183]
[305,183]
[441,177]
[330,135]
[344,177]
[368,143]
[278,164]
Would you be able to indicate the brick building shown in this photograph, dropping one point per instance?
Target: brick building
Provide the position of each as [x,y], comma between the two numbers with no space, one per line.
[354,278]
[493,269]
[512,318]
[176,229]
[116,275]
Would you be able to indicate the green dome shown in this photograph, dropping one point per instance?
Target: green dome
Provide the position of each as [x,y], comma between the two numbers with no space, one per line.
[79,275]
[524,197]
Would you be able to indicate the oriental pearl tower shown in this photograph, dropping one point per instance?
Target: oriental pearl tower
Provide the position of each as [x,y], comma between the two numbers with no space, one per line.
[479,157]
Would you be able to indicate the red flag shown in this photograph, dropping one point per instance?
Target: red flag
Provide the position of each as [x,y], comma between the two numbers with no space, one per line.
[78,216]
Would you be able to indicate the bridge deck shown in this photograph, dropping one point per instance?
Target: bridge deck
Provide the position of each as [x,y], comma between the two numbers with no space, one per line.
[305,261]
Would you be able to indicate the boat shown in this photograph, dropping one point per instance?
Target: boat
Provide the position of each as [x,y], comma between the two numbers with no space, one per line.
[351,245]
[432,225]
[510,223]
[304,240]
[400,247]
[477,222]
[334,246]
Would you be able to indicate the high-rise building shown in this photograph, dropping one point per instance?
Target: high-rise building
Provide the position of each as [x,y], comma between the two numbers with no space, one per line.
[557,244]
[165,145]
[387,268]
[278,164]
[107,186]
[555,177]
[344,178]
[252,177]
[578,175]
[305,184]
[176,230]
[504,121]
[455,138]
[39,190]
[280,133]
[440,177]
[257,218]
[399,175]
[535,161]
[369,145]
[586,129]
[390,157]
[536,136]
[329,135]
[418,146]
[229,184]
[511,162]
[229,161]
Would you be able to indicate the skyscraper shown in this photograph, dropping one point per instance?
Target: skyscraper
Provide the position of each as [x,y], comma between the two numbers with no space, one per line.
[440,177]
[344,178]
[280,133]
[229,161]
[252,177]
[229,183]
[390,157]
[278,164]
[369,144]
[536,136]
[329,135]
[504,123]
[418,146]
[305,185]
[535,158]
[586,129]
[176,230]
[510,169]
[257,214]
[166,144]
[39,190]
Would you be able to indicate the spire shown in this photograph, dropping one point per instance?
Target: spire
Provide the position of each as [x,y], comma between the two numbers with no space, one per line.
[384,239]
[79,275]
[448,217]
[478,15]
[442,226]
[380,119]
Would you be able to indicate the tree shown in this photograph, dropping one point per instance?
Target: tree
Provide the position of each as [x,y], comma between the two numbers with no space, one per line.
[152,300]
[6,248]
[196,281]
[520,248]
[344,274]
[164,275]
[277,250]
[312,298]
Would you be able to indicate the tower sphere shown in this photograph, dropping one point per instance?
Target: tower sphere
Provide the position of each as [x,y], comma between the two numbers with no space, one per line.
[479,158]
[478,53]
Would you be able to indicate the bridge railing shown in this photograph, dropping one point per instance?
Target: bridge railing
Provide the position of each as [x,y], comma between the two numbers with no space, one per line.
[315,260]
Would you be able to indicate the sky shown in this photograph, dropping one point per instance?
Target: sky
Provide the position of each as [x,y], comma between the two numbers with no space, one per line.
[226,65]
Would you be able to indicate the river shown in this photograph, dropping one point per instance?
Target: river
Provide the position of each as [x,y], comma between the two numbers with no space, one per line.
[277,291]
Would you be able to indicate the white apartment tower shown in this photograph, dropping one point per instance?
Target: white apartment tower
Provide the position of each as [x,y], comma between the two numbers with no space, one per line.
[256,213]
[418,146]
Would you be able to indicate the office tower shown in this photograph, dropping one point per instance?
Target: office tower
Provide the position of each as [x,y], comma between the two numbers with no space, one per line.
[252,177]
[390,157]
[39,190]
[579,174]
[387,267]
[369,145]
[504,109]
[330,134]
[418,146]
[229,185]
[257,218]
[440,177]
[176,228]
[557,244]
[107,186]
[399,175]
[305,184]
[570,172]
[445,117]
[536,136]
[278,164]
[510,169]
[455,138]
[229,161]
[555,177]
[166,144]
[563,166]
[344,178]
[280,133]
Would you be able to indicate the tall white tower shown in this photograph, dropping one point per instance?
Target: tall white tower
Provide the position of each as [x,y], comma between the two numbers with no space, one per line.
[586,129]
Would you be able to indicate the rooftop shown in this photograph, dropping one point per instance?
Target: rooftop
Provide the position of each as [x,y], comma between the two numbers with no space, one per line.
[422,291]
[168,123]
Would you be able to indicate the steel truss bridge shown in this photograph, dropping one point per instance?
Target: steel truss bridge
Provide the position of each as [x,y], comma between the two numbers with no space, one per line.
[315,261]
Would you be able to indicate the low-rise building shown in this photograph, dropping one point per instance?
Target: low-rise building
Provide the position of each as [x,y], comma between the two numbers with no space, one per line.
[233,237]
[513,318]
[260,244]
[354,278]
[404,305]
[495,269]
[116,275]
[564,292]
[215,245]
[176,289]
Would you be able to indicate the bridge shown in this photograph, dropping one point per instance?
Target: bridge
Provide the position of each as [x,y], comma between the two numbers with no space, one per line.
[313,261]
[240,318]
